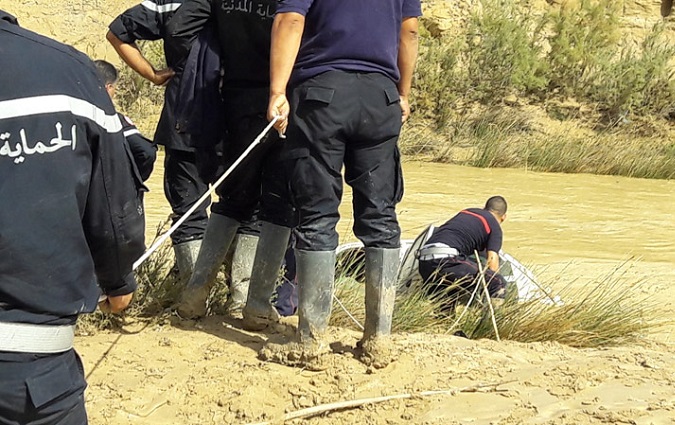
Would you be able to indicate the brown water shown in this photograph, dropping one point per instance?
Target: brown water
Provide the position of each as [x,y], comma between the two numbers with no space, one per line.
[552,217]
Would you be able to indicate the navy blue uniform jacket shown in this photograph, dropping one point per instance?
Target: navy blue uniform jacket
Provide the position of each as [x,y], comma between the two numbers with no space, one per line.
[71,218]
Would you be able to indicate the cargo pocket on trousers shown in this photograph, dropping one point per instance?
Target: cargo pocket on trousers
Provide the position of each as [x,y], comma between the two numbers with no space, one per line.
[290,157]
[319,94]
[398,190]
[53,383]
[392,95]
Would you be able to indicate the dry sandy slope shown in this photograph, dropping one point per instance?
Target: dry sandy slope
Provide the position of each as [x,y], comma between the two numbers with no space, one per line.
[207,373]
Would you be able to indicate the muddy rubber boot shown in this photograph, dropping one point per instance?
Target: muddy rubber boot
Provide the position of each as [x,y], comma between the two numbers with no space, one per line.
[186,256]
[315,273]
[382,266]
[240,276]
[259,311]
[219,234]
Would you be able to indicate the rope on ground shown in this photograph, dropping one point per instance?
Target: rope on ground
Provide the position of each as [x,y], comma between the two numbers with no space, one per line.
[329,407]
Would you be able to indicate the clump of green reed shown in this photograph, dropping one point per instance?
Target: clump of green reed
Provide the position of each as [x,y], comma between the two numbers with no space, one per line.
[413,311]
[603,313]
[606,312]
[605,153]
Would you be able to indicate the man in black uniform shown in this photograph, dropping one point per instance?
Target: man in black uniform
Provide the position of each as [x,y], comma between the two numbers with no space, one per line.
[444,260]
[183,185]
[71,222]
[243,29]
[348,65]
[142,149]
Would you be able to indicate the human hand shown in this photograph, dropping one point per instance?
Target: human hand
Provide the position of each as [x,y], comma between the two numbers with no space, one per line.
[405,108]
[115,304]
[163,76]
[279,107]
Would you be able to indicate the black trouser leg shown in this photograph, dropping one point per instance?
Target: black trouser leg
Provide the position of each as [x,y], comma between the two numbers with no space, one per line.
[183,186]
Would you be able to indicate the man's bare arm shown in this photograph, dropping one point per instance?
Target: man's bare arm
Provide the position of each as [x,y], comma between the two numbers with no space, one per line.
[133,57]
[407,57]
[493,261]
[286,37]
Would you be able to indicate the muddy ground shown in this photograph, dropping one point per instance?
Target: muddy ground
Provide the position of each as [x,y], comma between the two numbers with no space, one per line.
[570,228]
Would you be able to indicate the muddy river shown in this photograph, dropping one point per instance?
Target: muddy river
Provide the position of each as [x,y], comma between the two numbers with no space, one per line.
[552,217]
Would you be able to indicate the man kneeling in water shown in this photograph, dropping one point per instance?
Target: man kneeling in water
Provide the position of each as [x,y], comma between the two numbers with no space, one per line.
[445,263]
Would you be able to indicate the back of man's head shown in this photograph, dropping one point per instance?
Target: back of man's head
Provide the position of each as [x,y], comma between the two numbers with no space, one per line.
[497,205]
[106,72]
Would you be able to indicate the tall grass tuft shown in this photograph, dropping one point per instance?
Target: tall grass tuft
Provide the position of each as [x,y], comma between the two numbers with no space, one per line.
[413,311]
[604,313]
[605,153]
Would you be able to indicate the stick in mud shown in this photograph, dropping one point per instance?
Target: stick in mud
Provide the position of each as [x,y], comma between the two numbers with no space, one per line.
[329,407]
[487,294]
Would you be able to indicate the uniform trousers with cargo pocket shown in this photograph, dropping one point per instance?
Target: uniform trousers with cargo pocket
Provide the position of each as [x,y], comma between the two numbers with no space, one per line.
[42,389]
[350,118]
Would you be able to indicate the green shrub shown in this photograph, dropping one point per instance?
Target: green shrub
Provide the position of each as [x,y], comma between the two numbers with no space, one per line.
[504,52]
[639,81]
[439,81]
[580,36]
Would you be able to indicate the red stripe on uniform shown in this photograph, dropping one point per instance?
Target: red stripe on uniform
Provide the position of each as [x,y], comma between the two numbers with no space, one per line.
[481,218]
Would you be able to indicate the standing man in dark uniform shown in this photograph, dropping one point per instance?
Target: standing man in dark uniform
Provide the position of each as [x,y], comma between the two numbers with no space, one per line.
[349,66]
[71,222]
[243,29]
[183,185]
[445,265]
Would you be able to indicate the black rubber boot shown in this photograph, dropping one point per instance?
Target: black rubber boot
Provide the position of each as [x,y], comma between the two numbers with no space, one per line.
[259,311]
[382,266]
[316,274]
[242,267]
[219,234]
[186,256]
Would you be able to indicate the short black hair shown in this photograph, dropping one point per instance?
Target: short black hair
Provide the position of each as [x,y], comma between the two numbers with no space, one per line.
[106,71]
[496,204]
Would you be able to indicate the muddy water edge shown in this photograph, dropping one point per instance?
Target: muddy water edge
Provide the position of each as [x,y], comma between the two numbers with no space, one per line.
[584,224]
